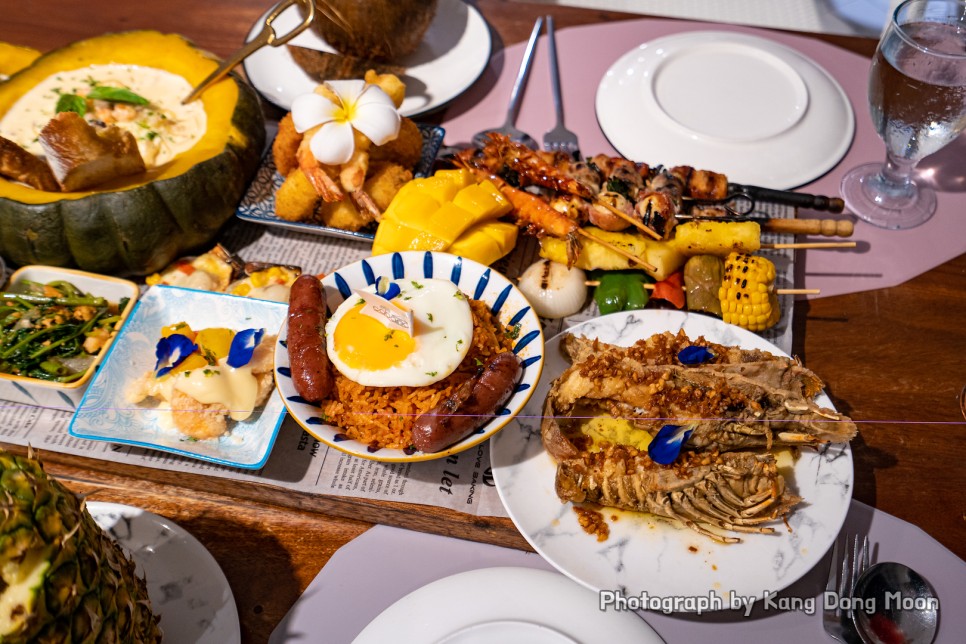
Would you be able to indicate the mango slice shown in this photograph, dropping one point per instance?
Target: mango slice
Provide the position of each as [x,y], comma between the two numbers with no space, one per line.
[484,200]
[486,242]
[450,212]
[216,340]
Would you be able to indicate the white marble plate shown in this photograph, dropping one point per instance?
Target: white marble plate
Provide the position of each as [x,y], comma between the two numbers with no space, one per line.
[187,588]
[505,605]
[453,54]
[644,554]
[751,108]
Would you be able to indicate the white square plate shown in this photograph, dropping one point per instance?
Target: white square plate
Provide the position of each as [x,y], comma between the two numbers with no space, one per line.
[105,413]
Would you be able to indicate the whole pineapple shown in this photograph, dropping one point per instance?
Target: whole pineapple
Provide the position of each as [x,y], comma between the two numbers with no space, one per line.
[62,579]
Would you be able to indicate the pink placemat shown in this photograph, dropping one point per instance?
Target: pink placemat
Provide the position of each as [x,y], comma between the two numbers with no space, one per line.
[882,258]
[384,564]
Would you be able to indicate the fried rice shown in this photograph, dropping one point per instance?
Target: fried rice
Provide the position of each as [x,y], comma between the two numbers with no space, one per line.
[384,416]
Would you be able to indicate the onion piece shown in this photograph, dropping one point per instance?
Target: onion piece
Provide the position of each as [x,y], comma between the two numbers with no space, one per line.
[554,291]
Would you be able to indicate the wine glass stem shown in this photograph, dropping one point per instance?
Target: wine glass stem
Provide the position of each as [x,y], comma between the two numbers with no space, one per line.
[895,186]
[898,172]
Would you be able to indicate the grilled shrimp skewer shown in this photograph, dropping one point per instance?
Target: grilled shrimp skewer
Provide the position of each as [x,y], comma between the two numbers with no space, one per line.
[608,210]
[618,192]
[539,218]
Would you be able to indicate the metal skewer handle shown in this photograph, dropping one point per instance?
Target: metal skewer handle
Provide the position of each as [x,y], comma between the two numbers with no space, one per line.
[790,198]
[267,36]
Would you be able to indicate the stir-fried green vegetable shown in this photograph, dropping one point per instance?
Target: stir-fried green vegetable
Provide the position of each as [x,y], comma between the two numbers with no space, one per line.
[53,331]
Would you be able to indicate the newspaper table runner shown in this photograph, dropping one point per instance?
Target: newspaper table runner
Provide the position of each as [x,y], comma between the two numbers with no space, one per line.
[301,463]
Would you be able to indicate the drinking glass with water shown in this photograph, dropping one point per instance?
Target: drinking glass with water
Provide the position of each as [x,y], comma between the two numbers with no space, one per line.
[917,96]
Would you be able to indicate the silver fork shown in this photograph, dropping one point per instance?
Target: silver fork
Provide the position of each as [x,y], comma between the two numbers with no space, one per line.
[509,128]
[841,583]
[559,139]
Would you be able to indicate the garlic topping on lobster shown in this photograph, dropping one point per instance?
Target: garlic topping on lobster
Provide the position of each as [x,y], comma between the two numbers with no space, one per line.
[683,429]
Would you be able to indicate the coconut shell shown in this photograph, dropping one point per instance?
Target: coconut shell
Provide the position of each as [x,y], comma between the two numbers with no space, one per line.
[381,30]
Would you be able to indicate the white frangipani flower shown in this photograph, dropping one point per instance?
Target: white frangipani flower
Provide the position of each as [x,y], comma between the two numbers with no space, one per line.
[358,105]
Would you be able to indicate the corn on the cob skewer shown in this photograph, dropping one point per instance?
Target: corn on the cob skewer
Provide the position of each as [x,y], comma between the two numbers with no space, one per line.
[747,295]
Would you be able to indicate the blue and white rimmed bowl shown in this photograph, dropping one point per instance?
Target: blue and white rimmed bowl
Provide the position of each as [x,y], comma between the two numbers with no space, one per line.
[477,281]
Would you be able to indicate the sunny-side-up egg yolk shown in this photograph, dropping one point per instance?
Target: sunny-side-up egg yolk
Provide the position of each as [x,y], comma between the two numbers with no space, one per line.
[366,351]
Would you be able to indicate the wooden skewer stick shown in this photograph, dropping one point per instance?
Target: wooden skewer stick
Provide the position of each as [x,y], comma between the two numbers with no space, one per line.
[798,291]
[801,245]
[637,224]
[779,291]
[617,249]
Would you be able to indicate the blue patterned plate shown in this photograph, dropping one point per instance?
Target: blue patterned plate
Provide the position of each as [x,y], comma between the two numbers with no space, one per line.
[477,281]
[258,205]
[106,415]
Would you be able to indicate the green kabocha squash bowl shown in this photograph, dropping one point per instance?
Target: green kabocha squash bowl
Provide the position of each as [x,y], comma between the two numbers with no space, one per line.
[137,225]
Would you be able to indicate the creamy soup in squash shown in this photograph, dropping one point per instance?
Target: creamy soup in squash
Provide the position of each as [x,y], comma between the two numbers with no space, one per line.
[163,127]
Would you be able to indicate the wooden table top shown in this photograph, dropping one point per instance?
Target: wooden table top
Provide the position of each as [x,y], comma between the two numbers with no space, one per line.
[893,357]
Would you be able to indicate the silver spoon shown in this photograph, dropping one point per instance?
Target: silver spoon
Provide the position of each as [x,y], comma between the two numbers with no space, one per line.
[897,605]
[509,128]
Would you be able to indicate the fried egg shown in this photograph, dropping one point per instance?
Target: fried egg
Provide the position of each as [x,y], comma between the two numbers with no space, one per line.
[372,354]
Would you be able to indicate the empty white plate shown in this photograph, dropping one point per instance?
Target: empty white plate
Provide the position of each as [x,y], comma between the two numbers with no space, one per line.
[505,605]
[187,588]
[745,106]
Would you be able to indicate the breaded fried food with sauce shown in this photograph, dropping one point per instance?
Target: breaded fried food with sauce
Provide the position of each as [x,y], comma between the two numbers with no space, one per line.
[285,145]
[384,181]
[200,420]
[296,199]
[406,149]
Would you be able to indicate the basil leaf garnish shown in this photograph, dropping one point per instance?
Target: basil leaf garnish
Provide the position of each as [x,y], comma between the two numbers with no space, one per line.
[71,103]
[116,95]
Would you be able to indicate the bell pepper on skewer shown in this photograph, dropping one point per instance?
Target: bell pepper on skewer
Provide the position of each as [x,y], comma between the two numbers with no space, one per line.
[671,289]
[621,291]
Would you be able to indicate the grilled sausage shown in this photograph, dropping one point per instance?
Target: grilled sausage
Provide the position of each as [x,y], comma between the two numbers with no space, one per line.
[470,406]
[309,362]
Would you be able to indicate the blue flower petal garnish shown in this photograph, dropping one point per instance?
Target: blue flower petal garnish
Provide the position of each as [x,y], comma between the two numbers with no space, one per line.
[243,346]
[666,446]
[386,289]
[695,355]
[172,351]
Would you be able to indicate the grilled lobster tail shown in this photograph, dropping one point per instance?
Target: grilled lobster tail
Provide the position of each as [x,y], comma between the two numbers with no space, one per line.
[734,491]
[731,401]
